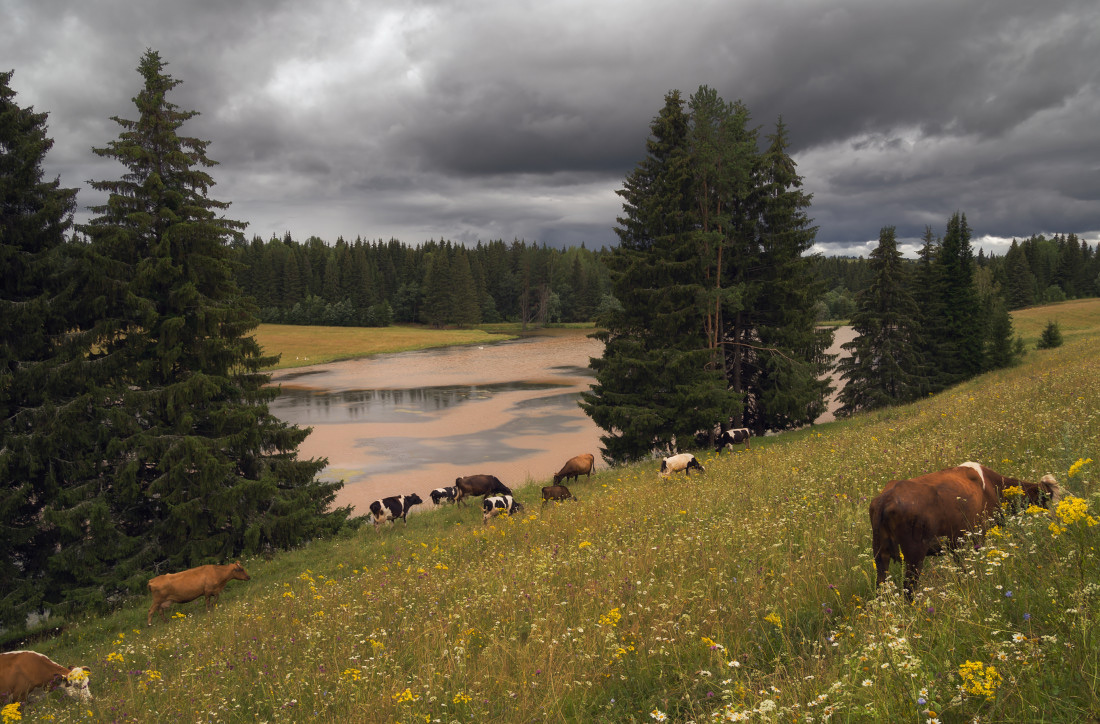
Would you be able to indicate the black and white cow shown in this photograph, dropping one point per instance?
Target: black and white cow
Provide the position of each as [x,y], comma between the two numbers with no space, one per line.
[729,438]
[444,495]
[676,463]
[494,505]
[393,507]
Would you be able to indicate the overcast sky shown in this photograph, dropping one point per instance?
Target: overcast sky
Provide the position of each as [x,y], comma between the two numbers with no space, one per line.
[503,119]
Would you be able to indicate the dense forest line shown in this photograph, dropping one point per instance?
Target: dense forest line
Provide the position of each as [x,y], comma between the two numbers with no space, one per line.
[438,283]
[377,283]
[1037,270]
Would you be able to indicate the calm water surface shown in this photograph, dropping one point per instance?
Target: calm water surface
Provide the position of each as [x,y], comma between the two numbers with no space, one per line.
[413,421]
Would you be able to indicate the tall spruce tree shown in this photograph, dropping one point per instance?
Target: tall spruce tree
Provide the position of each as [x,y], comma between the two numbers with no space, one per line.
[195,468]
[884,366]
[653,385]
[960,344]
[784,358]
[35,216]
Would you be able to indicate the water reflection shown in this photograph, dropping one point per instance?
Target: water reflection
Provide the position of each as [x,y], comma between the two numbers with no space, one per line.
[413,421]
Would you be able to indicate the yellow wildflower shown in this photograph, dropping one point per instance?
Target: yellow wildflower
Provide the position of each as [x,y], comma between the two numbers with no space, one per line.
[979,680]
[11,713]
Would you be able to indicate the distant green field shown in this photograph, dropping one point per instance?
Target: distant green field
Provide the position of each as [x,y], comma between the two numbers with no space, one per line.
[1075,318]
[310,345]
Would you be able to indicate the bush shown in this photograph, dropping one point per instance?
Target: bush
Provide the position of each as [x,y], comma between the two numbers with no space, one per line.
[1051,337]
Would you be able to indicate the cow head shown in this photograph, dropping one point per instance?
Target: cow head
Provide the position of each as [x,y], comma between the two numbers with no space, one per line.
[75,683]
[238,572]
[413,499]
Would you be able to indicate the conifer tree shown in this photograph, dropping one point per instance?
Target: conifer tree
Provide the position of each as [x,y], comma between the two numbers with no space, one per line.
[194,467]
[960,344]
[35,216]
[652,383]
[784,364]
[465,308]
[883,367]
[1021,282]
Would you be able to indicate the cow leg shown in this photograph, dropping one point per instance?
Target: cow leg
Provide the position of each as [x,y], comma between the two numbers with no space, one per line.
[152,610]
[914,559]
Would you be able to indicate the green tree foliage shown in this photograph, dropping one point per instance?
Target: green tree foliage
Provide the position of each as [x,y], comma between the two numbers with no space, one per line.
[884,363]
[1051,337]
[782,352]
[35,216]
[655,382]
[192,468]
[715,315]
[957,335]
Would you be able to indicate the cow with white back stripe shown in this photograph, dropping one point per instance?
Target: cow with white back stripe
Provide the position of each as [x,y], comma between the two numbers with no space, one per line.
[393,507]
[446,494]
[730,438]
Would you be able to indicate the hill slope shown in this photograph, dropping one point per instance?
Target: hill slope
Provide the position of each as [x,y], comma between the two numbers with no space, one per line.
[747,591]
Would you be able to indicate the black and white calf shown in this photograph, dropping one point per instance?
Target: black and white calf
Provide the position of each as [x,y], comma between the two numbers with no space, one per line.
[393,507]
[494,505]
[676,463]
[444,495]
[729,438]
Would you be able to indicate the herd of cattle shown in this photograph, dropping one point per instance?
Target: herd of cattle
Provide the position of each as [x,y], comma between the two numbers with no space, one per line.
[912,518]
[496,497]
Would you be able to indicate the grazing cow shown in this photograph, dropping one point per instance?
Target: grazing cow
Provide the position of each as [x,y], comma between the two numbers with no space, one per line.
[912,516]
[393,507]
[576,467]
[556,492]
[479,485]
[443,495]
[494,505]
[185,586]
[676,463]
[729,438]
[23,672]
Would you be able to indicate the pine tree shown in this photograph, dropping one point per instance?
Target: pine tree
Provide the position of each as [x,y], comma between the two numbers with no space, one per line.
[784,363]
[438,297]
[1021,282]
[652,386]
[465,308]
[1051,337]
[195,468]
[883,367]
[960,344]
[35,216]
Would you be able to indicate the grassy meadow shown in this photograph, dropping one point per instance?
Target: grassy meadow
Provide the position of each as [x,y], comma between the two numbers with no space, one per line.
[299,346]
[743,594]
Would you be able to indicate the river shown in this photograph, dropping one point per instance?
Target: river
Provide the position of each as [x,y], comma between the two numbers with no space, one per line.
[409,422]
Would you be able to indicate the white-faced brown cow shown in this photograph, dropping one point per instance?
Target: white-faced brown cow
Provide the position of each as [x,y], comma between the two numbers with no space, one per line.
[185,586]
[576,467]
[25,672]
[913,516]
[479,485]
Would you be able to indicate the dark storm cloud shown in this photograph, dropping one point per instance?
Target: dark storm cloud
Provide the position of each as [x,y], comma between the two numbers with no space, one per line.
[510,120]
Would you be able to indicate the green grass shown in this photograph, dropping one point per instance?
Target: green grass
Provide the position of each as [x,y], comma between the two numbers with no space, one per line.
[299,346]
[747,590]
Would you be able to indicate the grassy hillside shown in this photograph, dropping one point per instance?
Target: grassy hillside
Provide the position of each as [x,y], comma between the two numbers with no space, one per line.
[747,592]
[1075,318]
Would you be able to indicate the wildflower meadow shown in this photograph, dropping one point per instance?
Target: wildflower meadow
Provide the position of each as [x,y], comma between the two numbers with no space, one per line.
[743,594]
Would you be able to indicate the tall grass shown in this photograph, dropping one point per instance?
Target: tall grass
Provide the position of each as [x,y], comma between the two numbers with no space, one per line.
[746,593]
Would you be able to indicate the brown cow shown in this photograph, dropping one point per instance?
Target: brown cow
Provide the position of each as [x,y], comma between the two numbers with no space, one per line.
[576,467]
[23,672]
[207,581]
[479,485]
[914,515]
[556,492]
